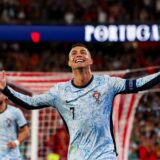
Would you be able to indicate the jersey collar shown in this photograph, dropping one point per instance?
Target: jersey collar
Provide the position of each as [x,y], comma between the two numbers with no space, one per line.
[84,85]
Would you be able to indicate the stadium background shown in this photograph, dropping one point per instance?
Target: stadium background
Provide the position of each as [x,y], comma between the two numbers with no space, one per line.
[34,57]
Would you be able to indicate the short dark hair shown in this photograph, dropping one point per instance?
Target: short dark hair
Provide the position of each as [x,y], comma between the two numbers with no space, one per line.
[79,45]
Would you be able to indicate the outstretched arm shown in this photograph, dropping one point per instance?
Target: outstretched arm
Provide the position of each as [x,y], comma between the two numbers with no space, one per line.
[140,84]
[36,102]
[28,102]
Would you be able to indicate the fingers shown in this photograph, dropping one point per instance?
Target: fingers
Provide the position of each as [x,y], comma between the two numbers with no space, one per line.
[3,75]
[11,145]
[2,80]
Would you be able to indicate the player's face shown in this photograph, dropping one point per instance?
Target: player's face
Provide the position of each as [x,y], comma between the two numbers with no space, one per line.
[79,57]
[2,98]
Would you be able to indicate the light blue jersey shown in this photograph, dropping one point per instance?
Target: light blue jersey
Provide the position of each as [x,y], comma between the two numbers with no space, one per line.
[87,112]
[10,120]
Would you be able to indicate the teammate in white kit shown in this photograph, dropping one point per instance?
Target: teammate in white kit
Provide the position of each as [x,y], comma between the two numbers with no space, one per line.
[13,130]
[85,104]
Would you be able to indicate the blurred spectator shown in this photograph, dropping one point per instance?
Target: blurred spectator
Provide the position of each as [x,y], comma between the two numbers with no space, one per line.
[145,138]
[58,143]
[79,11]
[69,17]
[54,56]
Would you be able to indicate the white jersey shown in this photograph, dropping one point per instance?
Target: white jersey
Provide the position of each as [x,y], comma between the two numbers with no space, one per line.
[10,120]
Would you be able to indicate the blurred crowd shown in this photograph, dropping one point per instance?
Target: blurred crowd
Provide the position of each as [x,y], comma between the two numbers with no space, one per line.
[78,11]
[54,56]
[58,143]
[145,138]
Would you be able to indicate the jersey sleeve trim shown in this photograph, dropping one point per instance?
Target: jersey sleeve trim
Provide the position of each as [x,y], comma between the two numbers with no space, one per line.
[19,101]
[130,86]
[26,124]
[134,86]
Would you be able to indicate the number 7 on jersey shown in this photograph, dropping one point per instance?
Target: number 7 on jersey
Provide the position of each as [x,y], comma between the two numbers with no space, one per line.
[72,110]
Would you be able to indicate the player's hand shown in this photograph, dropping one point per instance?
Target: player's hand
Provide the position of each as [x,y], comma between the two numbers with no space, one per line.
[3,80]
[11,145]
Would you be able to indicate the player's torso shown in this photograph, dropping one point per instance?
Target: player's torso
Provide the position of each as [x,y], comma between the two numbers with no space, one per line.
[87,113]
[8,131]
[93,103]
[8,128]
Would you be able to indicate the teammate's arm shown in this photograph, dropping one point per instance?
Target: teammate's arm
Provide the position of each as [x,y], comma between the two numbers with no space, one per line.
[23,134]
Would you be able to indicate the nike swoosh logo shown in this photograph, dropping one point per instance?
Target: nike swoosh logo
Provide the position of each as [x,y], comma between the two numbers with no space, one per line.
[72,100]
[68,101]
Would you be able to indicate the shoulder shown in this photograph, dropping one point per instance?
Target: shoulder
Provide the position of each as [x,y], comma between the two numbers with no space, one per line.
[60,86]
[102,78]
[13,109]
[63,84]
[107,79]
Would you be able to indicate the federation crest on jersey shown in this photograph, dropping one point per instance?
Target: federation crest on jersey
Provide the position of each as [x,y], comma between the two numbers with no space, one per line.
[8,122]
[96,95]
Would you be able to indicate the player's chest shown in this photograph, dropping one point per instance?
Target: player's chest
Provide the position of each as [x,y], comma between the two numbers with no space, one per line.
[88,97]
[6,120]
[83,104]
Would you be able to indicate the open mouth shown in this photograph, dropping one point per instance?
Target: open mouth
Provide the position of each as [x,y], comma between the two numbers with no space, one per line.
[79,61]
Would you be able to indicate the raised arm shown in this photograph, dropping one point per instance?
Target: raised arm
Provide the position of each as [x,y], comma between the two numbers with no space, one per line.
[35,102]
[140,84]
[121,85]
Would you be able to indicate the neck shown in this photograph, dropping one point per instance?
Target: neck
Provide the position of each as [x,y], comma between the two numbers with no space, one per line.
[81,76]
[2,107]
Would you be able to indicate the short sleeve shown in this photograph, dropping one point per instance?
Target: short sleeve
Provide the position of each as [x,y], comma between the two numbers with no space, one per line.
[21,121]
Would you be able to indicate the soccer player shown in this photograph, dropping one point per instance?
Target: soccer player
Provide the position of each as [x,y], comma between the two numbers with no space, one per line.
[13,130]
[85,104]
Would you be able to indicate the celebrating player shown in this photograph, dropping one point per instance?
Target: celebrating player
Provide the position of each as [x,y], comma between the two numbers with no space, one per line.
[11,136]
[85,103]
